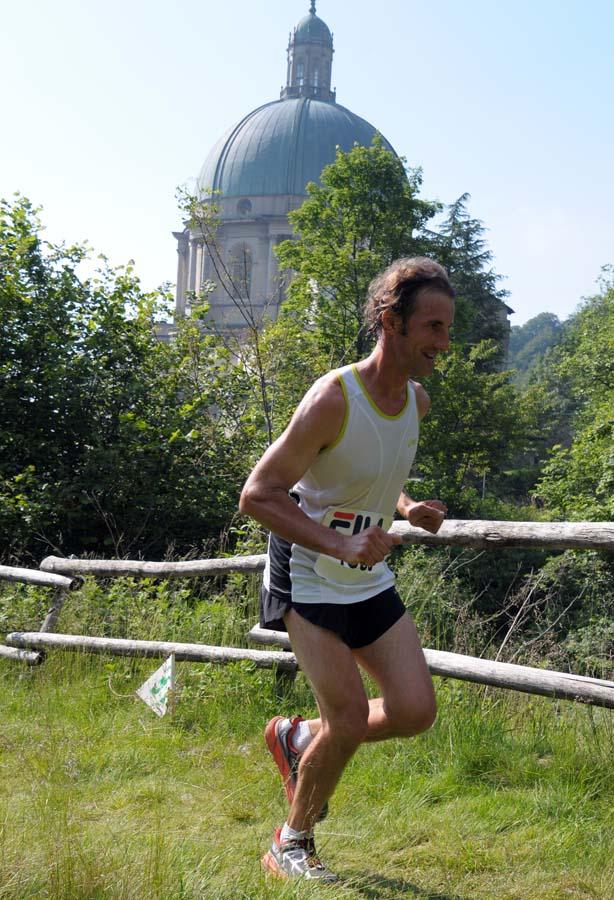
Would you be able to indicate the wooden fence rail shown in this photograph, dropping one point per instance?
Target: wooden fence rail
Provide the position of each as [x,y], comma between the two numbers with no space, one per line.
[485,535]
[152,649]
[545,682]
[33,576]
[476,534]
[26,656]
[116,568]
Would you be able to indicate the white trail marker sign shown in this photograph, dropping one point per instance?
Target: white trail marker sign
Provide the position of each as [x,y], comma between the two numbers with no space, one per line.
[155,692]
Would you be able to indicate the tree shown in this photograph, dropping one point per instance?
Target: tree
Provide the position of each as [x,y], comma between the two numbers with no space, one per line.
[234,281]
[475,425]
[365,214]
[460,246]
[106,437]
[578,480]
[529,342]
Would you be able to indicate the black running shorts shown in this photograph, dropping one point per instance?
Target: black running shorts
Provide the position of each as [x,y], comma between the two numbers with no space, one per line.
[357,624]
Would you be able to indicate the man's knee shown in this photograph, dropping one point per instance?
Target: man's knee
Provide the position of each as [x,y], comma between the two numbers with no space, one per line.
[415,717]
[348,727]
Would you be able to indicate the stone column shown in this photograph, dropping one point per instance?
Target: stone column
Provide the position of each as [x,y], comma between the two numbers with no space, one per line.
[192,265]
[198,280]
[182,271]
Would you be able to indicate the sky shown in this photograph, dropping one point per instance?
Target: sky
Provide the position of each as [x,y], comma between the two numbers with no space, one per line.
[107,107]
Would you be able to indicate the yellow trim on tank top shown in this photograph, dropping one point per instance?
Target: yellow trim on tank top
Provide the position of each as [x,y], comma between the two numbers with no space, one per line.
[372,401]
[346,416]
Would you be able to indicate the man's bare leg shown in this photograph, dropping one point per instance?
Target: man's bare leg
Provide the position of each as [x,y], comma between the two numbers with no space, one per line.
[333,673]
[396,662]
[407,707]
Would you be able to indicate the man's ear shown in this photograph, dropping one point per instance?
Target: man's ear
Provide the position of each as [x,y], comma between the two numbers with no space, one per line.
[390,321]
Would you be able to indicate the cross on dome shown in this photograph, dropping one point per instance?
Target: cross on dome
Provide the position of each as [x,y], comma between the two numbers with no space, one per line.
[312,9]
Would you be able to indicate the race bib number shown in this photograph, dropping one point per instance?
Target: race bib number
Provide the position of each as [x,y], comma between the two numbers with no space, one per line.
[351,522]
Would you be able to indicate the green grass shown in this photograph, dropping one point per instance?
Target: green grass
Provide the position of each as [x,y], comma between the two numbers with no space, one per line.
[508,796]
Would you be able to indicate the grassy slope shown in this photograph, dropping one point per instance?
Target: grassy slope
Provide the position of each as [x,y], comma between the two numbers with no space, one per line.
[508,796]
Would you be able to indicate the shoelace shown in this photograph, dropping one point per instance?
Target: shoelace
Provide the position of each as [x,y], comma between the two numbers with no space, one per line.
[309,846]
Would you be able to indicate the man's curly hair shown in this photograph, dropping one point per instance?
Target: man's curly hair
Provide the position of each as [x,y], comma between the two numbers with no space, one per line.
[397,289]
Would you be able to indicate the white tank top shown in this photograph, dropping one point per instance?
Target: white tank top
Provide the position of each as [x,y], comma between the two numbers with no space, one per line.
[352,484]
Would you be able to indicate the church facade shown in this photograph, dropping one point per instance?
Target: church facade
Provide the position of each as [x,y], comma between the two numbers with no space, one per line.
[257,173]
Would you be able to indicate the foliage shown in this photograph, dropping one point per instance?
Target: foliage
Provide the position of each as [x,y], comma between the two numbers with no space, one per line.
[460,245]
[547,410]
[578,480]
[475,424]
[192,610]
[249,370]
[567,614]
[107,437]
[440,600]
[366,214]
[529,342]
[294,359]
[585,359]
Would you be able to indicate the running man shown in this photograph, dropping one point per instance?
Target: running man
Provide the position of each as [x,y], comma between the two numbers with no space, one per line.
[327,489]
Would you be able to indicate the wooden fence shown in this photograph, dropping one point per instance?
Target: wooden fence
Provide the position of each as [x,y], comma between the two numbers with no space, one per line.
[65,575]
[456,533]
[60,584]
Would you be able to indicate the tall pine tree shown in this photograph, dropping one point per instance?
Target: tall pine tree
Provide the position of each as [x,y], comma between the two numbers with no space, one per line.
[460,245]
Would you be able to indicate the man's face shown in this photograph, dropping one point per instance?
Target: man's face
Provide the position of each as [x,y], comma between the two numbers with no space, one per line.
[427,331]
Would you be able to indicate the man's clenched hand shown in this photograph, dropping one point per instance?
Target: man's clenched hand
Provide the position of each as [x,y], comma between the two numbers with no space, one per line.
[369,546]
[427,514]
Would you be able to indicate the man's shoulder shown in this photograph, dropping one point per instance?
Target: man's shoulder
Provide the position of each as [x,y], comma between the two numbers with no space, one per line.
[321,411]
[326,393]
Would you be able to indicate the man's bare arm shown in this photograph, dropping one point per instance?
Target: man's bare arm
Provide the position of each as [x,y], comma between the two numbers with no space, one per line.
[315,424]
[427,514]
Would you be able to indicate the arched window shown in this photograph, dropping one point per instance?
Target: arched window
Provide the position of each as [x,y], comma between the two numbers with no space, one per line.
[240,264]
[316,77]
[300,73]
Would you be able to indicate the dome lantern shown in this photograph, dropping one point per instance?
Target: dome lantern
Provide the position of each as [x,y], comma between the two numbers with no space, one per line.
[310,59]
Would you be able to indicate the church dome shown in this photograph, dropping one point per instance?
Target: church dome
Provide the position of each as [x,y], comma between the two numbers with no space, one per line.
[312,29]
[281,146]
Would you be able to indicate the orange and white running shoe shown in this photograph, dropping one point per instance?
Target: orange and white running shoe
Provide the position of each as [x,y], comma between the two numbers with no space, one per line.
[278,736]
[296,858]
